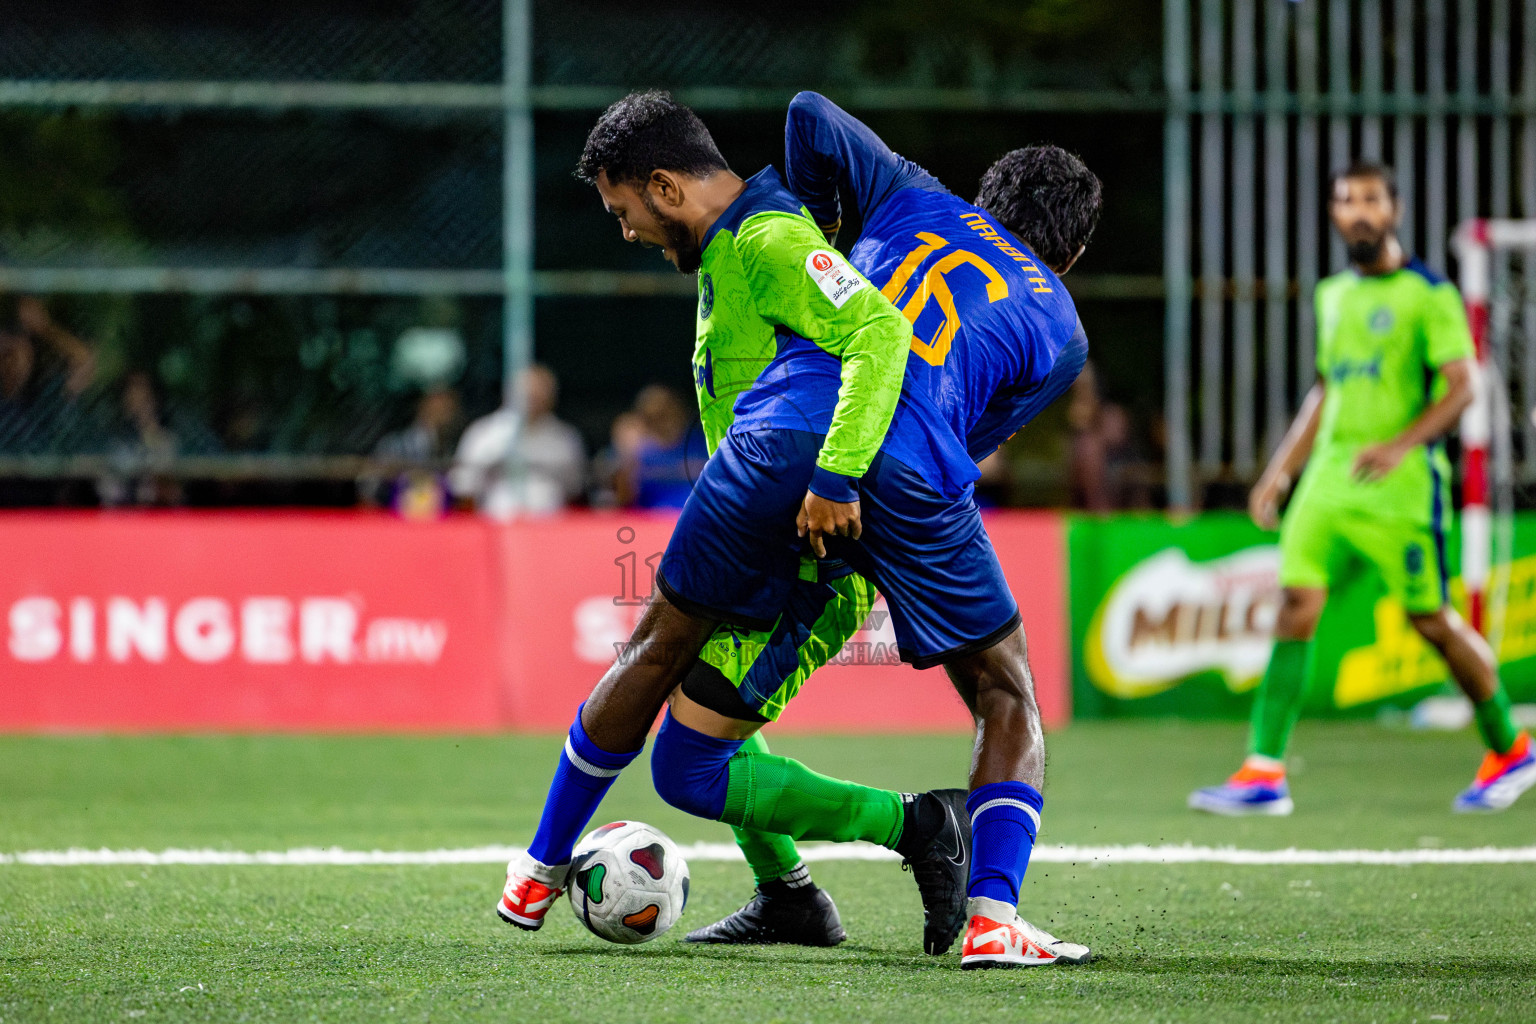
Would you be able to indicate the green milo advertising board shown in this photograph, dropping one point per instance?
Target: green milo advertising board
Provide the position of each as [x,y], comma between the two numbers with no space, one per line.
[1174,618]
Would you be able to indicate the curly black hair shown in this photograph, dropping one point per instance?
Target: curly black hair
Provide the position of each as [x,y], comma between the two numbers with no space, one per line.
[645,132]
[1047,197]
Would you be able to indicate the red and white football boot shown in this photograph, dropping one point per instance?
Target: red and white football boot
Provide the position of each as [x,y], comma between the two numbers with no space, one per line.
[998,937]
[531,890]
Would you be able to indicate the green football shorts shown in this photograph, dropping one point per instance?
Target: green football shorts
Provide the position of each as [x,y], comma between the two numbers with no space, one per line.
[768,667]
[1321,544]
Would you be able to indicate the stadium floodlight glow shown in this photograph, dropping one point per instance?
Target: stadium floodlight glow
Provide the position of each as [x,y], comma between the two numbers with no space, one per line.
[1475,242]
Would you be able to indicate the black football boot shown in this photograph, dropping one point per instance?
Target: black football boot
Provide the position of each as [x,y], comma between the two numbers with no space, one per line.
[803,916]
[936,847]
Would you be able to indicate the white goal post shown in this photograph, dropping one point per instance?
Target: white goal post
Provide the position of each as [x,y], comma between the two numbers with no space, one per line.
[1486,434]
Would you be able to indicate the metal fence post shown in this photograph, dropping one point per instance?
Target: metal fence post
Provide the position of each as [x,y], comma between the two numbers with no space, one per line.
[1276,231]
[1307,194]
[1404,126]
[1244,235]
[1176,263]
[1213,236]
[517,195]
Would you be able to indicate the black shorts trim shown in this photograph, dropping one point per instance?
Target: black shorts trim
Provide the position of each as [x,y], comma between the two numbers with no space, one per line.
[704,611]
[707,687]
[992,639]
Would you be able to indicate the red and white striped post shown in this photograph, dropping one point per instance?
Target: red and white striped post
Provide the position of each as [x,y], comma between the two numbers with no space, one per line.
[1473,241]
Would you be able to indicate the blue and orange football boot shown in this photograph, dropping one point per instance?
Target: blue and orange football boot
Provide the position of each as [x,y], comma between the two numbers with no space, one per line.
[1500,780]
[1250,790]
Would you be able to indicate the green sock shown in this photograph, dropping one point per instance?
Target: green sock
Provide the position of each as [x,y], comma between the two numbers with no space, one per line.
[1277,705]
[770,855]
[1494,722]
[769,793]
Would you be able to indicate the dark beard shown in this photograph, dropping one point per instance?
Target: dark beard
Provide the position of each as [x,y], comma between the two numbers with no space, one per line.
[679,238]
[1365,252]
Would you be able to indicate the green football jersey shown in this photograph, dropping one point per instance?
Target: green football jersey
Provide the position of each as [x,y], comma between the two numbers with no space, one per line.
[790,335]
[1380,343]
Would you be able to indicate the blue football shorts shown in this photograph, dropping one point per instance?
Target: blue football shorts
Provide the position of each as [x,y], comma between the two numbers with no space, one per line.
[735,555]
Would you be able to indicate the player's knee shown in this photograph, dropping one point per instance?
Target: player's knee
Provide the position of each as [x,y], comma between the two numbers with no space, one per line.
[688,787]
[1300,610]
[1005,696]
[996,683]
[690,770]
[1435,627]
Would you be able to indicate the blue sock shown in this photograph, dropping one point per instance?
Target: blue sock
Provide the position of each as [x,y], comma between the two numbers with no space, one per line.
[691,770]
[1005,818]
[581,779]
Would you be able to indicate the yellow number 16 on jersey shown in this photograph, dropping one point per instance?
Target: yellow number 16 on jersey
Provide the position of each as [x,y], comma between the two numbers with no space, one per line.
[934,286]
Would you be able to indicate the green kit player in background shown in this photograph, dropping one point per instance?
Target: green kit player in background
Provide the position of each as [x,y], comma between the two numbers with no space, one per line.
[1395,371]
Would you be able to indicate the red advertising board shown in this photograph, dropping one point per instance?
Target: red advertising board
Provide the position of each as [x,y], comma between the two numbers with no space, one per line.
[361,621]
[245,621]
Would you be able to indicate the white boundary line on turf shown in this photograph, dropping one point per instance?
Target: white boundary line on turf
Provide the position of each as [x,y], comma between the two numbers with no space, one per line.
[1081,855]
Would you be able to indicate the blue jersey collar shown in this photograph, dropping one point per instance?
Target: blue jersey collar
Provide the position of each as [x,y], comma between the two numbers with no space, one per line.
[765,191]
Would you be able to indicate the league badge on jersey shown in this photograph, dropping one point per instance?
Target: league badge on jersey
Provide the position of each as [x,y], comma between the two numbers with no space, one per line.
[832,274]
[1381,320]
[706,296]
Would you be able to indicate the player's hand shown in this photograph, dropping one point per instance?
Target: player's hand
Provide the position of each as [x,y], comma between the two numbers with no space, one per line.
[820,518]
[1265,498]
[1377,461]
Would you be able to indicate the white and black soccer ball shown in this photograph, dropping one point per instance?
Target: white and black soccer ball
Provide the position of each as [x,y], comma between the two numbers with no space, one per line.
[629,883]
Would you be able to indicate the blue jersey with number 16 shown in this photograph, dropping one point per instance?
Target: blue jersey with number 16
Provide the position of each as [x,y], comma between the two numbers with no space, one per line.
[996,337]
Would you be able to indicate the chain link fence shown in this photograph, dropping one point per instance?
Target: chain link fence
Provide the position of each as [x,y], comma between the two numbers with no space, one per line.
[188,281]
[245,245]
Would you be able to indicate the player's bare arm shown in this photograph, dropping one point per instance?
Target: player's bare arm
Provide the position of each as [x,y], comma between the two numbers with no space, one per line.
[1377,460]
[1265,498]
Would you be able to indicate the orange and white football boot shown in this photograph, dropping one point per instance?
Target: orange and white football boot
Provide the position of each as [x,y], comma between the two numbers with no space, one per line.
[998,937]
[531,890]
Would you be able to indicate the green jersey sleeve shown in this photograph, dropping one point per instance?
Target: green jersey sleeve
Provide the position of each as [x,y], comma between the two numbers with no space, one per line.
[1325,308]
[799,282]
[1447,337]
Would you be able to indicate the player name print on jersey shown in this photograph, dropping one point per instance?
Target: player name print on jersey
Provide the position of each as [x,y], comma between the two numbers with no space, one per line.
[836,279]
[978,223]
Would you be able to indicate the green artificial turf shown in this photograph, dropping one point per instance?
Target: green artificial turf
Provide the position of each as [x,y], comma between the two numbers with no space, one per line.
[1190,942]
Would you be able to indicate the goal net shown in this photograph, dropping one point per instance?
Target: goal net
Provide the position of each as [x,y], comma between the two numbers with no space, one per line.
[1498,432]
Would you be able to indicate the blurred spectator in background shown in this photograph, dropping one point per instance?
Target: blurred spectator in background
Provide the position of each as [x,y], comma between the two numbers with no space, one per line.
[417,492]
[548,451]
[79,359]
[18,420]
[613,469]
[1107,473]
[141,449]
[430,435]
[246,421]
[668,454]
[44,369]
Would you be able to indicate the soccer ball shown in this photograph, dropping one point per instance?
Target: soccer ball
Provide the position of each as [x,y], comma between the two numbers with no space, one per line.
[629,883]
